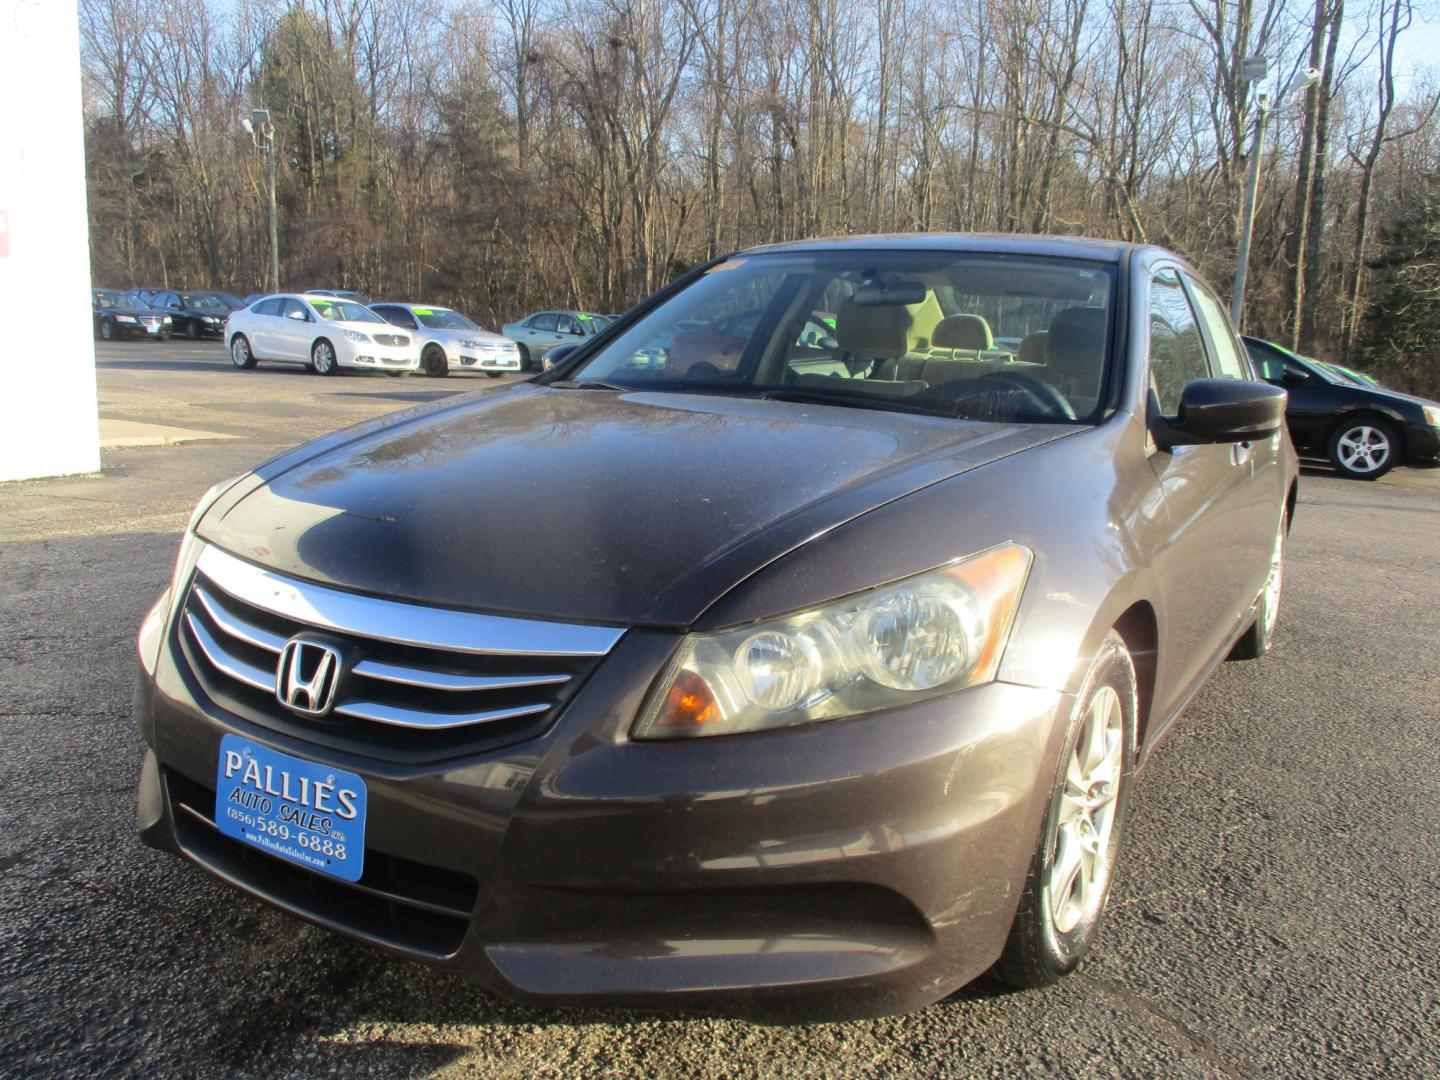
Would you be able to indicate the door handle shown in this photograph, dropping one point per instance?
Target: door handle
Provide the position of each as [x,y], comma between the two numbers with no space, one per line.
[1240,452]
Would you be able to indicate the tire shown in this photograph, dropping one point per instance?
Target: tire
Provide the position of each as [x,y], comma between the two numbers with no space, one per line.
[322,358]
[107,330]
[524,357]
[1063,902]
[1257,640]
[192,331]
[492,374]
[1364,448]
[240,354]
[434,362]
[398,374]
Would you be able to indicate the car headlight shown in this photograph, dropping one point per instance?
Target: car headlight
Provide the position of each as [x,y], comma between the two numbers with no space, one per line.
[919,638]
[1432,414]
[124,318]
[166,320]
[357,336]
[210,318]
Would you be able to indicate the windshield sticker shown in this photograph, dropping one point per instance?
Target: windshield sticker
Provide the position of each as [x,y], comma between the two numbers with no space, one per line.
[423,311]
[584,318]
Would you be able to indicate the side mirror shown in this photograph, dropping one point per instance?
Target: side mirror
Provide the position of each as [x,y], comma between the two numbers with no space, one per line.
[1222,411]
[551,358]
[1294,378]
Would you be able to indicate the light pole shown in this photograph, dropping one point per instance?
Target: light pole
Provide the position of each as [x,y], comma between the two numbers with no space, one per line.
[1252,70]
[262,132]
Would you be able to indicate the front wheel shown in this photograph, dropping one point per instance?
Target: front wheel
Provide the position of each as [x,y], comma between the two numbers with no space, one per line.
[1363,449]
[107,330]
[492,374]
[1070,873]
[524,357]
[322,358]
[240,354]
[192,331]
[435,363]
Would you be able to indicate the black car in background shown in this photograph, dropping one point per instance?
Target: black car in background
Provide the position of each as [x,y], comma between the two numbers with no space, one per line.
[194,314]
[230,301]
[1364,430]
[120,315]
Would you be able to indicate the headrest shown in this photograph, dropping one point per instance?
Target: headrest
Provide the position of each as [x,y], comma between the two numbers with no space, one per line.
[1076,342]
[878,332]
[963,332]
[1032,347]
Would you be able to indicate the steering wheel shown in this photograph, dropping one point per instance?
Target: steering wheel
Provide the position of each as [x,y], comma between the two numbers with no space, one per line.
[1039,391]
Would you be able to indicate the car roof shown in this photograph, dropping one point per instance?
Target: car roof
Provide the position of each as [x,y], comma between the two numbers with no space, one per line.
[1075,247]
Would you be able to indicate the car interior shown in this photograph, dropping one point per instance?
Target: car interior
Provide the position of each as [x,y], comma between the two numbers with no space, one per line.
[913,340]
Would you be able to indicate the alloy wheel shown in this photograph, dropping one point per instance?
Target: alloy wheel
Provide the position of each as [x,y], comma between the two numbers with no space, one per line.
[1085,824]
[1363,449]
[323,357]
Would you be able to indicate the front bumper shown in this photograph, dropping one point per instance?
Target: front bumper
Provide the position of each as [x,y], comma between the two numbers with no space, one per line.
[1422,445]
[375,357]
[463,359]
[846,868]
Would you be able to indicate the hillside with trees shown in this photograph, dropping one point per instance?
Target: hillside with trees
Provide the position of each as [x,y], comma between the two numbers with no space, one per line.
[528,153]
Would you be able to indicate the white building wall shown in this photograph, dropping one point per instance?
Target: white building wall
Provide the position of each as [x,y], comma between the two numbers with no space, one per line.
[48,424]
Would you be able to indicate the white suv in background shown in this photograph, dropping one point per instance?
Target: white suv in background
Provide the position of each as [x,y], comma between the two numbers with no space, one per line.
[323,332]
[450,341]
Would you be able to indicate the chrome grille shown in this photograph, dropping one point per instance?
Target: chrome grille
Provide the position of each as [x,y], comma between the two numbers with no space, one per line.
[391,339]
[419,684]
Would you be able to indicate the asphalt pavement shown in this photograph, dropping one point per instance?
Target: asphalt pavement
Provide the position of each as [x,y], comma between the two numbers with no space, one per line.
[1275,913]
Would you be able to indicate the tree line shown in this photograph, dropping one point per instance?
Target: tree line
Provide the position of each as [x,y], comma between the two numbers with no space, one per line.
[518,154]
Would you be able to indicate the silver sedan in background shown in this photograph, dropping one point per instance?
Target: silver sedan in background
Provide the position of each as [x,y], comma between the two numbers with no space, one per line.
[450,341]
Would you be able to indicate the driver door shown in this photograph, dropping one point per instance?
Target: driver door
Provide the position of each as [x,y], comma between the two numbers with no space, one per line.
[1207,564]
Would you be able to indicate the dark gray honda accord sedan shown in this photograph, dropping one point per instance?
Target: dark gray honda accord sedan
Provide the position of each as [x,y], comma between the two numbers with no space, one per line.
[792,645]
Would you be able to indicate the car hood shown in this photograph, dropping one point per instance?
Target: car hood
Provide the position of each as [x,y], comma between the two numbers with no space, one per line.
[587,505]
[457,336]
[369,328]
[135,312]
[1392,397]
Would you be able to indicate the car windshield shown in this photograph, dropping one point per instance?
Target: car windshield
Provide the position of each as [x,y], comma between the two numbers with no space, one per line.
[443,319]
[202,303]
[342,310]
[107,299]
[979,336]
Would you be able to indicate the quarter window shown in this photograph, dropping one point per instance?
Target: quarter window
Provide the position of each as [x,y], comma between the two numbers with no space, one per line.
[543,322]
[1177,352]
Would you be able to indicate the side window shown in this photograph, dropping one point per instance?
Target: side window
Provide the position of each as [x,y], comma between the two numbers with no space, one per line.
[293,309]
[404,318]
[1229,364]
[268,307]
[567,325]
[1267,365]
[543,322]
[1177,352]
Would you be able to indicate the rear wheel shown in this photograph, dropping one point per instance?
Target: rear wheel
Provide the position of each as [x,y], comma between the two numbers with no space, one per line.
[322,358]
[434,362]
[1070,873]
[1364,448]
[240,354]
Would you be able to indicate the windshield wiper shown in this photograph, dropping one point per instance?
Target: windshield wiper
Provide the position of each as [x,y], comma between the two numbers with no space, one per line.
[883,404]
[589,384]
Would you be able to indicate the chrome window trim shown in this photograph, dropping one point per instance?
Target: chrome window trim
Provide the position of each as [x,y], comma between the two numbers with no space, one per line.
[395,621]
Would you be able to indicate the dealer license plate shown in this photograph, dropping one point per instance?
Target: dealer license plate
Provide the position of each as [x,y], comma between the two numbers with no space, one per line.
[309,814]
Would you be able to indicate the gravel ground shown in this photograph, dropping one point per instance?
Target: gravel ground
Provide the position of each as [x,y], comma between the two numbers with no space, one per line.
[1274,915]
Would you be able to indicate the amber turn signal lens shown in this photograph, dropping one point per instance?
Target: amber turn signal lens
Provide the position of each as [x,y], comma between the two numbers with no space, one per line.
[689,703]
